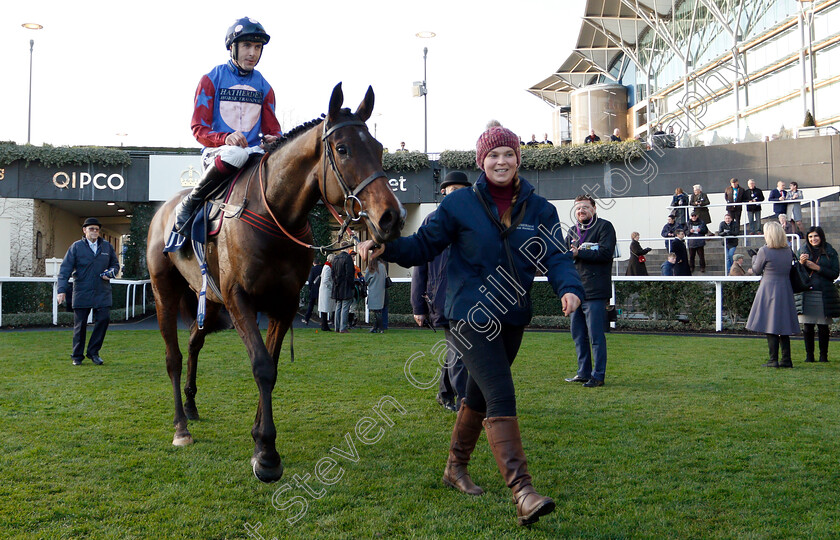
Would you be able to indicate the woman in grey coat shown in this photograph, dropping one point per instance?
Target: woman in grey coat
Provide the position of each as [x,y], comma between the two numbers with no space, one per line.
[774,311]
[375,278]
[326,304]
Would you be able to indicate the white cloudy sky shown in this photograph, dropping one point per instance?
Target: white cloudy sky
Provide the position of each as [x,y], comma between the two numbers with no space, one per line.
[103,68]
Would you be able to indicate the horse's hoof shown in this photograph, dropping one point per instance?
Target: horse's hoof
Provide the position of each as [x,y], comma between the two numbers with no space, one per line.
[267,474]
[182,440]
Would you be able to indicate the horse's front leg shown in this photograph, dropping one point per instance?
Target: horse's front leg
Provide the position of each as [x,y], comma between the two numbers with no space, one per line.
[265,461]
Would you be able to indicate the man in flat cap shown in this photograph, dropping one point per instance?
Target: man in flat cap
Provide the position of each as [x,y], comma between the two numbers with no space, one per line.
[92,262]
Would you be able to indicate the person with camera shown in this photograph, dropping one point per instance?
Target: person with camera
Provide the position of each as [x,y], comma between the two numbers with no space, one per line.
[92,262]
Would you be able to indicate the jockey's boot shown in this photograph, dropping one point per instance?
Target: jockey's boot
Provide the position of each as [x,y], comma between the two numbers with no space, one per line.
[211,179]
[465,434]
[506,445]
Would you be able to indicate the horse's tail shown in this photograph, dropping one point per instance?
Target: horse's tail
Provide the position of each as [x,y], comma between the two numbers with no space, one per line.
[189,308]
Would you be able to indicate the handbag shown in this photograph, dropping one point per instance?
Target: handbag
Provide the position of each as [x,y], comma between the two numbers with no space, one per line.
[799,278]
[642,258]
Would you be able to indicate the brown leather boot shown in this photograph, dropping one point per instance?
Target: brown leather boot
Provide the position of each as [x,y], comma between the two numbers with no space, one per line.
[506,445]
[464,436]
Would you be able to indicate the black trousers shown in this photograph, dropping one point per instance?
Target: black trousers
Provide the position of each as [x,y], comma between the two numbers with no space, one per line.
[101,317]
[488,359]
[692,252]
[309,308]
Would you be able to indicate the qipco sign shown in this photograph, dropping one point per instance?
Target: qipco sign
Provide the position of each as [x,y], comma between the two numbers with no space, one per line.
[63,180]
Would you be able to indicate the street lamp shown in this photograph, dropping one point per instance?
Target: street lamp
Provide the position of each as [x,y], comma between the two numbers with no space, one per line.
[30,26]
[423,91]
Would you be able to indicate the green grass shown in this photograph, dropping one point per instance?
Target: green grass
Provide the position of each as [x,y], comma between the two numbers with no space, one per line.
[690,438]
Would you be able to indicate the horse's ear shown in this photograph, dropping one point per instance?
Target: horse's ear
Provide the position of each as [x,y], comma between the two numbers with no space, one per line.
[366,106]
[336,101]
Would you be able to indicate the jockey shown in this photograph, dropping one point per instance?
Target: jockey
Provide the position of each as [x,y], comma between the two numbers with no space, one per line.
[234,107]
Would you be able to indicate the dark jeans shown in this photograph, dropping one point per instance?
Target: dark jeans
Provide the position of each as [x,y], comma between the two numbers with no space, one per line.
[453,376]
[588,325]
[489,382]
[100,326]
[309,308]
[697,251]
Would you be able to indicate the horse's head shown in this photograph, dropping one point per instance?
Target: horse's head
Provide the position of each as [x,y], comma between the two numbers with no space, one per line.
[353,177]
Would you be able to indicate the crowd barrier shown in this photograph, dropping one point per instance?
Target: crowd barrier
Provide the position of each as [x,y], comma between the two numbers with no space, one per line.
[129,293]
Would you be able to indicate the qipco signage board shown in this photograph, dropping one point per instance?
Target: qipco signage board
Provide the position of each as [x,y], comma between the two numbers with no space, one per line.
[85,183]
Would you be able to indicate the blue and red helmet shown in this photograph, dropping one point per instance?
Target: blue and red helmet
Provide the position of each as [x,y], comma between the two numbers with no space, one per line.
[246,28]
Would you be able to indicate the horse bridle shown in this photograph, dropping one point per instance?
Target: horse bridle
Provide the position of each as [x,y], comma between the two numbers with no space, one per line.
[351,197]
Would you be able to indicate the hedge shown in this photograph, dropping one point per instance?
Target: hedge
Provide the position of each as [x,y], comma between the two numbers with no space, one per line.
[59,156]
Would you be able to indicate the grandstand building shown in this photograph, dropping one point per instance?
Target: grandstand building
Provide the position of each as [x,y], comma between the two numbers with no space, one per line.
[717,71]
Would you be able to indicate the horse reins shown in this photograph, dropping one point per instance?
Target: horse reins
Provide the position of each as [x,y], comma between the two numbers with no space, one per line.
[351,196]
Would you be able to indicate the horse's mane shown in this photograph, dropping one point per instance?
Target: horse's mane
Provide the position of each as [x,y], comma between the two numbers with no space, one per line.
[293,133]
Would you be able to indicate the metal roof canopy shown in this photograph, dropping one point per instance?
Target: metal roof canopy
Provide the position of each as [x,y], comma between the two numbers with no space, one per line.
[610,28]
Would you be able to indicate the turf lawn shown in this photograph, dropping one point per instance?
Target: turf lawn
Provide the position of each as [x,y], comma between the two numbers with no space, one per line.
[690,438]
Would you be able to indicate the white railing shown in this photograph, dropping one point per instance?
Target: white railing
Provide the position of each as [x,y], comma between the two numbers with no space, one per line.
[129,293]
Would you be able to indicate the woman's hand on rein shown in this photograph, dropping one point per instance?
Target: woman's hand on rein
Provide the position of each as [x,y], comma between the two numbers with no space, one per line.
[369,250]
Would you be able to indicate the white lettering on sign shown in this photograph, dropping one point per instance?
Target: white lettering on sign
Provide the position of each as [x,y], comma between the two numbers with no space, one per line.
[62,180]
[397,185]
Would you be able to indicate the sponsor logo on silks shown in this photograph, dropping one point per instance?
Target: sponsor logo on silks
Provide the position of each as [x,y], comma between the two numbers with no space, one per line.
[240,95]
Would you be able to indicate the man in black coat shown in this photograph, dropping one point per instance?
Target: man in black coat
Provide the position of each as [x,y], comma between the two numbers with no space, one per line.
[753,194]
[314,281]
[681,267]
[591,242]
[92,262]
[343,273]
[735,194]
[428,299]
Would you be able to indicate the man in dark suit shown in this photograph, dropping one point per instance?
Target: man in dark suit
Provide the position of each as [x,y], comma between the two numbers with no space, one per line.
[93,263]
[735,194]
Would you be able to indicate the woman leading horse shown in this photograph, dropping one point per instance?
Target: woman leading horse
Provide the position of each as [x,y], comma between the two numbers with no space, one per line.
[262,269]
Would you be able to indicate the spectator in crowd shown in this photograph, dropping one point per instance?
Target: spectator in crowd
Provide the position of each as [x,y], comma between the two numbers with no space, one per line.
[671,138]
[669,264]
[658,139]
[92,262]
[375,278]
[795,208]
[729,228]
[326,304]
[773,311]
[787,227]
[755,195]
[679,207]
[616,135]
[428,296]
[735,194]
[636,263]
[678,248]
[533,141]
[779,194]
[820,305]
[669,231]
[343,276]
[592,243]
[314,282]
[546,139]
[699,201]
[738,267]
[591,138]
[402,147]
[696,244]
[486,227]
[229,122]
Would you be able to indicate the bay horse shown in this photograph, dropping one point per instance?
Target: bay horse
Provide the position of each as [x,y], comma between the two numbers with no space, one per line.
[335,159]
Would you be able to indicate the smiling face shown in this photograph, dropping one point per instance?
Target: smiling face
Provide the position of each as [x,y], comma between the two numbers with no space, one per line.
[814,239]
[584,211]
[500,165]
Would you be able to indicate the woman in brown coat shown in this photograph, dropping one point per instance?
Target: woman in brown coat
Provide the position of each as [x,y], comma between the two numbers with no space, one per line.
[636,265]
